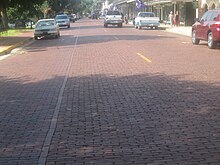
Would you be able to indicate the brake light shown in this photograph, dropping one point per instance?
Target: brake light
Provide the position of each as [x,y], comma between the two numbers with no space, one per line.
[217,26]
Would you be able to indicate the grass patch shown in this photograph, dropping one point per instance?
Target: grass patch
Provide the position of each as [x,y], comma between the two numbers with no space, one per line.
[12,32]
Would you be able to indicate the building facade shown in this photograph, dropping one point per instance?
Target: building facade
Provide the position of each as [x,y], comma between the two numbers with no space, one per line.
[188,10]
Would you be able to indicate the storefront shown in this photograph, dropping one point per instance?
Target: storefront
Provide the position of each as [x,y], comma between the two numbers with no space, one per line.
[187,9]
[205,5]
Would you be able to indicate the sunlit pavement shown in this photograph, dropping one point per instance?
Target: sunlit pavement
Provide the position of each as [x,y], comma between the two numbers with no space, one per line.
[110,96]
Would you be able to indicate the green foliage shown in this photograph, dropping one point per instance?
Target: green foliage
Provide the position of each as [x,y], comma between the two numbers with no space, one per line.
[17,13]
[58,6]
[12,32]
[20,10]
[68,6]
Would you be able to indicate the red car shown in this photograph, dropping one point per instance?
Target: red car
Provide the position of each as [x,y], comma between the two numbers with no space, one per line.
[207,29]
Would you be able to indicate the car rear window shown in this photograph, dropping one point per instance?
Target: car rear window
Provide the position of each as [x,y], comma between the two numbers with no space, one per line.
[113,13]
[45,23]
[61,17]
[211,16]
[216,16]
[146,15]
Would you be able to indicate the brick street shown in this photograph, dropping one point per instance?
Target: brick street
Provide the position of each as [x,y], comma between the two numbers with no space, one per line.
[111,96]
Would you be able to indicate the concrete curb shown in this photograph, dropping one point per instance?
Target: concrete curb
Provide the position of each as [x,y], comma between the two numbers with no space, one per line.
[185,31]
[10,48]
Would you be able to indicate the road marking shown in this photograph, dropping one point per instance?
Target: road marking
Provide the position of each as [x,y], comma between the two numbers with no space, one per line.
[116,38]
[105,30]
[145,58]
[45,149]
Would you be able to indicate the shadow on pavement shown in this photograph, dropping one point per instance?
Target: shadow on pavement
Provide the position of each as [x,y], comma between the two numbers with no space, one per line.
[139,119]
[8,41]
[69,40]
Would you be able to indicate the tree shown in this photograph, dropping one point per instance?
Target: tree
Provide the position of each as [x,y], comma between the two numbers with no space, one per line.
[87,6]
[29,8]
[3,13]
[58,6]
[18,9]
[45,8]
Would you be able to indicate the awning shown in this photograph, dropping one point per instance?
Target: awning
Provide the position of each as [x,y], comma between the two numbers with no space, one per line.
[129,1]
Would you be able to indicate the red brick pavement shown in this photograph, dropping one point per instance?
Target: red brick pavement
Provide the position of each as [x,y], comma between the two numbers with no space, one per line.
[115,107]
[9,43]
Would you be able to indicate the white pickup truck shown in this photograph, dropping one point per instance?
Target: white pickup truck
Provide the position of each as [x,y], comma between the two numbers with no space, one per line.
[113,18]
[146,19]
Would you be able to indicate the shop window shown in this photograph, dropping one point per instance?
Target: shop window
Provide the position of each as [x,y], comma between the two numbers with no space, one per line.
[213,6]
[205,8]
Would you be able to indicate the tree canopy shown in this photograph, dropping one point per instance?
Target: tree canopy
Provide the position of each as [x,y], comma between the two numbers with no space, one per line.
[19,10]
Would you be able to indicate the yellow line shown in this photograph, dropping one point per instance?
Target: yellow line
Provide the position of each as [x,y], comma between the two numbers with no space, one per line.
[6,48]
[145,58]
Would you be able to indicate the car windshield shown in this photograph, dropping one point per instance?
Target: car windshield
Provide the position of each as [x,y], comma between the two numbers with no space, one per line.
[61,17]
[45,23]
[113,13]
[146,15]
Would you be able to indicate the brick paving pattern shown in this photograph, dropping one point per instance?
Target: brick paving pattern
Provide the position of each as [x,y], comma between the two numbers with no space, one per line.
[116,108]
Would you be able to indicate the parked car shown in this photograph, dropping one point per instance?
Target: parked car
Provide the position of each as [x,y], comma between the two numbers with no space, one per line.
[46,28]
[146,19]
[102,17]
[207,28]
[63,20]
[72,17]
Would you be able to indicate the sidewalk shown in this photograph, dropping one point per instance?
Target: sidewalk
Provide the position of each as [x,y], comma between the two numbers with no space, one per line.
[183,30]
[9,43]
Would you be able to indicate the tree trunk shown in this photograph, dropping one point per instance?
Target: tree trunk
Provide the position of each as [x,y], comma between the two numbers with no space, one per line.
[45,14]
[4,19]
[3,12]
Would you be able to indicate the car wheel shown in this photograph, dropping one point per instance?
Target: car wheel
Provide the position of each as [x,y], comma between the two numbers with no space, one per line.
[211,42]
[68,26]
[35,37]
[195,41]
